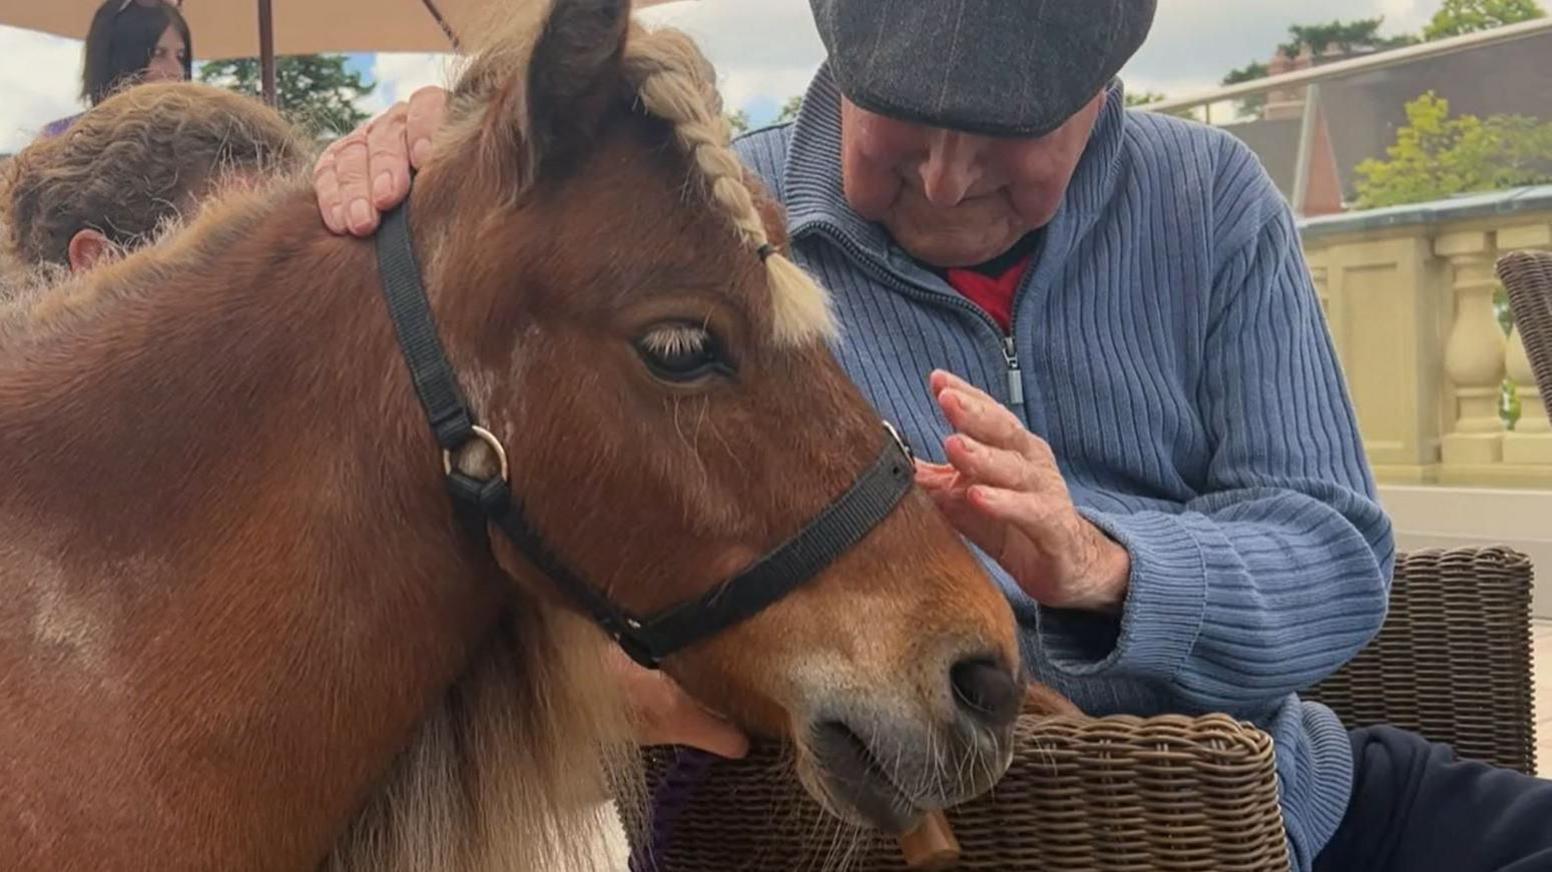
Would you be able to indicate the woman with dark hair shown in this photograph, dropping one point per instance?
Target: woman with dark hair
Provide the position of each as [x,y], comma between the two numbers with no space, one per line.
[132,41]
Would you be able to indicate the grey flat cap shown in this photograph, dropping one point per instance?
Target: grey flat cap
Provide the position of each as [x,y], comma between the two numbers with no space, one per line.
[996,67]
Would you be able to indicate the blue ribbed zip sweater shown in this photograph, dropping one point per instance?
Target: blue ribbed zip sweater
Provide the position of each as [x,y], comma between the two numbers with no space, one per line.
[1167,342]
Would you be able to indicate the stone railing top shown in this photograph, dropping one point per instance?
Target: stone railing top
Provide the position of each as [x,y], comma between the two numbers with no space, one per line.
[1464,207]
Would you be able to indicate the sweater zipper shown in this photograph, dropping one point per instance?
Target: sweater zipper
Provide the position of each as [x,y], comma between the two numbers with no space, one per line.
[1015,377]
[1005,347]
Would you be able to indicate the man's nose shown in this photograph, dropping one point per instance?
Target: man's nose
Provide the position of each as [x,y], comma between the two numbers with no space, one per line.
[950,168]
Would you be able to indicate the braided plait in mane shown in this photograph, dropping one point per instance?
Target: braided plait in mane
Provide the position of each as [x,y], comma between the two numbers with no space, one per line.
[675,83]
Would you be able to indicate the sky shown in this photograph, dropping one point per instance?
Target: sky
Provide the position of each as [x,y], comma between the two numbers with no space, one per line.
[764,50]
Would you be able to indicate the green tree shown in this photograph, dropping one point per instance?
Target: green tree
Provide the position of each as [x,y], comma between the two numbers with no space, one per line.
[739,121]
[1457,17]
[1321,40]
[1143,98]
[790,109]
[1344,37]
[1248,73]
[1437,156]
[316,92]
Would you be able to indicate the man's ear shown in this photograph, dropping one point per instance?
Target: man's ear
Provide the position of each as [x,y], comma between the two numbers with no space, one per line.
[88,248]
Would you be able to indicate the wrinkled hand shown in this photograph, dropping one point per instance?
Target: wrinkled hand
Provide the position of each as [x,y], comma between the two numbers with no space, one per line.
[367,171]
[666,715]
[1002,489]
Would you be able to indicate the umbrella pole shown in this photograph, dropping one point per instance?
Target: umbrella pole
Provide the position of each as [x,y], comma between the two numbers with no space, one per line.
[442,22]
[267,51]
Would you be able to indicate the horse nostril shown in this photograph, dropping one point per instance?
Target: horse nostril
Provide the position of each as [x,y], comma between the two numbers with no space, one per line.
[986,691]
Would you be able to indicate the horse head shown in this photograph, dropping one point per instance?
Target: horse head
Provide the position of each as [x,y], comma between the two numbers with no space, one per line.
[615,297]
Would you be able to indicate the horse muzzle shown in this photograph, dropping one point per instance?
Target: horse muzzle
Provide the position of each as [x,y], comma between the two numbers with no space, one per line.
[880,767]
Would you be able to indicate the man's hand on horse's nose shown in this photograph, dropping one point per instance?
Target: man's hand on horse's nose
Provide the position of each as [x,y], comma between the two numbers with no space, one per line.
[367,172]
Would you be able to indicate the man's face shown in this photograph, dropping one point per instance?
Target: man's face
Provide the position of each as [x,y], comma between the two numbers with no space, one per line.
[956,199]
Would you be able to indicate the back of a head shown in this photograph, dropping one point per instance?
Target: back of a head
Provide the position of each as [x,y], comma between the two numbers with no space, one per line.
[144,156]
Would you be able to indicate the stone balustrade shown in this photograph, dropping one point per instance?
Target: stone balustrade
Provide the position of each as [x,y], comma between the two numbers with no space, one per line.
[1409,296]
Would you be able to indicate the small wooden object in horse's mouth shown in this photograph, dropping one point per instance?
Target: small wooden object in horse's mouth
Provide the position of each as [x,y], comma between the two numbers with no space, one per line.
[930,847]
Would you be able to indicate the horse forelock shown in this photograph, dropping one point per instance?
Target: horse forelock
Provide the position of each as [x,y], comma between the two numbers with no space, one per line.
[669,79]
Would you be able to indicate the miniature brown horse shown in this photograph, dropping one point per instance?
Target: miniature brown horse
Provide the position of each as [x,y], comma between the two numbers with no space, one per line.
[240,627]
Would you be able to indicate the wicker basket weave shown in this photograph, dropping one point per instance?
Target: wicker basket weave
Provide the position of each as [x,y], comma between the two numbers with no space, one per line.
[1527,276]
[1452,661]
[1122,794]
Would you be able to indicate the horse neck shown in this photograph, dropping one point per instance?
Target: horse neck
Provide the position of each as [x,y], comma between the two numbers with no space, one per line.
[218,473]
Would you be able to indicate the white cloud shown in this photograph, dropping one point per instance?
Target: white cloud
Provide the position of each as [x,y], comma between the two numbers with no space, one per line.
[1195,42]
[40,78]
[400,75]
[765,51]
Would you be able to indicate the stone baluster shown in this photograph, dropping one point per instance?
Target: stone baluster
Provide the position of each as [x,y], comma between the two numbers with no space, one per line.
[1473,355]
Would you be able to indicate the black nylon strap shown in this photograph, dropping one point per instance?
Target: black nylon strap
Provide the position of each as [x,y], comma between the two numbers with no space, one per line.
[435,383]
[649,640]
[842,524]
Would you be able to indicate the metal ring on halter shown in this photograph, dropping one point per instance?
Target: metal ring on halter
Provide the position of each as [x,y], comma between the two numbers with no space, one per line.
[900,441]
[488,438]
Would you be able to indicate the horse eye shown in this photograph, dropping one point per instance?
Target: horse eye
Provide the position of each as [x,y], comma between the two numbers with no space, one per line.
[682,353]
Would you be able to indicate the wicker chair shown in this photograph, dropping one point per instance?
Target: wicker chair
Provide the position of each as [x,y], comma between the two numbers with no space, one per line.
[1527,276]
[1165,794]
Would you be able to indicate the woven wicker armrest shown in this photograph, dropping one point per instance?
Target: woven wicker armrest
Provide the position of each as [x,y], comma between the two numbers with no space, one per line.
[1527,277]
[1453,659]
[1120,794]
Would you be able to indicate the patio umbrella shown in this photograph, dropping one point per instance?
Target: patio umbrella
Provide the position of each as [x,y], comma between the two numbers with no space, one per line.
[265,28]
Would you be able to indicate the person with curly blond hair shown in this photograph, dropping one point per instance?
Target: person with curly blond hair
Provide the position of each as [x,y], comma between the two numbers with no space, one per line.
[140,159]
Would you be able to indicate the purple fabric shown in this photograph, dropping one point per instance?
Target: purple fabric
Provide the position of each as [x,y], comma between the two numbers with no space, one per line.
[55,128]
[669,799]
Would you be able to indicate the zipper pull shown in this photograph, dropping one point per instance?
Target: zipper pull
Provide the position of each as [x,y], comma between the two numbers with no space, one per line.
[1015,377]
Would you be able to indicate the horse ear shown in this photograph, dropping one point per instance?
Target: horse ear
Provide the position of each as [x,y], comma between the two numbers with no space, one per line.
[573,76]
[546,79]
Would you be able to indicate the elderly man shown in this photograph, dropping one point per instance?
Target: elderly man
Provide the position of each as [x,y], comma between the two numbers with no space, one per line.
[1146,431]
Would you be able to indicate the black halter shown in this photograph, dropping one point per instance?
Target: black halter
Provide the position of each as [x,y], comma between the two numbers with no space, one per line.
[646,639]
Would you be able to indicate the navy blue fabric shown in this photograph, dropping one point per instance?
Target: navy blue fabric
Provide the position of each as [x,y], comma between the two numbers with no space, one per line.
[1418,808]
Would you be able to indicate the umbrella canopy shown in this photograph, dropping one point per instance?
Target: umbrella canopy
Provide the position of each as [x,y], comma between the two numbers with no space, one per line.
[266,28]
[230,28]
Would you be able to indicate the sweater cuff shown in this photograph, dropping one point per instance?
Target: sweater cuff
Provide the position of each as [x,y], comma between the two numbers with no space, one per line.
[1161,617]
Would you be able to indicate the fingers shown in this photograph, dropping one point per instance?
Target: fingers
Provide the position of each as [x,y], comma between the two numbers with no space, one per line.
[666,715]
[1030,514]
[367,172]
[974,413]
[331,202]
[698,728]
[935,476]
[388,160]
[428,107]
[982,464]
[354,191]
